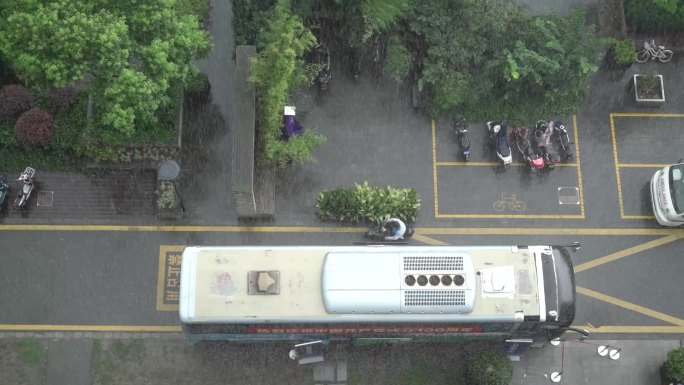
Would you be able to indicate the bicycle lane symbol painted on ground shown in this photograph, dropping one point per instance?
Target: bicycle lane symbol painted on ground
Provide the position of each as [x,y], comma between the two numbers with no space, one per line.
[509,201]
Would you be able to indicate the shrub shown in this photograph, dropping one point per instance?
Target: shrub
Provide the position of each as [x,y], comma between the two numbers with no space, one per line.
[365,203]
[197,81]
[490,367]
[34,128]
[623,52]
[647,16]
[166,196]
[14,99]
[398,61]
[674,365]
[59,101]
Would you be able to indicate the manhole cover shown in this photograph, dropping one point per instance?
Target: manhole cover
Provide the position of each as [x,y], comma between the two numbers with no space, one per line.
[45,198]
[568,196]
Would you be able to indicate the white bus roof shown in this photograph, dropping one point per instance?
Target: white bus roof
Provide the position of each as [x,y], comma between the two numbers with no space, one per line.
[318,284]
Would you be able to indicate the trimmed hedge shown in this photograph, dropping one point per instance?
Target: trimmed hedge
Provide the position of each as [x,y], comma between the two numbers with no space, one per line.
[365,203]
[490,367]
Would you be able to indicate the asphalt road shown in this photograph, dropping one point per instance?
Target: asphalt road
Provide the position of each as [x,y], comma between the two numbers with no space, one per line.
[110,279]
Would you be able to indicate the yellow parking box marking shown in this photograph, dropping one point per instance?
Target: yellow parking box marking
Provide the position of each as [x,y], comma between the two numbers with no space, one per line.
[627,252]
[579,163]
[617,163]
[434,168]
[91,328]
[642,165]
[168,278]
[630,306]
[646,115]
[576,164]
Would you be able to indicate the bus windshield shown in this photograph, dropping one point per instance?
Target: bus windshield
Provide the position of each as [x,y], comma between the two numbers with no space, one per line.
[677,187]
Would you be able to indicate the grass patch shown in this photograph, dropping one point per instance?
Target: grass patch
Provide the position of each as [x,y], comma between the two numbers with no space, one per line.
[32,352]
[106,359]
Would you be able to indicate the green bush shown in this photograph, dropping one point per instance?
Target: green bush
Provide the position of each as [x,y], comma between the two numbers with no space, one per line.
[675,364]
[276,72]
[197,81]
[365,203]
[398,61]
[490,367]
[647,16]
[623,52]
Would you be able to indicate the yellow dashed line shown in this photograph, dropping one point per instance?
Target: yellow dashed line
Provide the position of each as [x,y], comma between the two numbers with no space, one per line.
[543,231]
[630,306]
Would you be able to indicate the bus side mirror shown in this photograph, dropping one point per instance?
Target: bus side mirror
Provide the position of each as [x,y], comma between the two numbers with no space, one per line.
[575,246]
[583,334]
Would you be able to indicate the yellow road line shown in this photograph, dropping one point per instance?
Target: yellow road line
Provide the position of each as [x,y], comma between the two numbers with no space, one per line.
[542,231]
[645,165]
[638,217]
[579,167]
[90,328]
[630,306]
[514,164]
[646,115]
[529,216]
[218,229]
[434,168]
[428,240]
[627,252]
[353,230]
[617,167]
[634,329]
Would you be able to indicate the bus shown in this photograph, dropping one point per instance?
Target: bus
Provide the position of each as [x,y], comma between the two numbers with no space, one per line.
[377,293]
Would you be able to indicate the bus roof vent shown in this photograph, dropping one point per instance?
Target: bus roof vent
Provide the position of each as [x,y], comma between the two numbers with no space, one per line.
[263,282]
[433,262]
[435,301]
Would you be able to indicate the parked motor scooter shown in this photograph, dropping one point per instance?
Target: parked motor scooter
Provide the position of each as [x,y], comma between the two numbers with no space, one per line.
[542,137]
[461,131]
[497,138]
[323,58]
[4,192]
[378,232]
[533,162]
[563,140]
[21,201]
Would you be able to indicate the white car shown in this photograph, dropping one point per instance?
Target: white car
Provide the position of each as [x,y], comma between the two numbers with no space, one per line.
[667,195]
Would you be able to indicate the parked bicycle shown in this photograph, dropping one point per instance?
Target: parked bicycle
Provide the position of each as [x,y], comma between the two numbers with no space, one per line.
[650,52]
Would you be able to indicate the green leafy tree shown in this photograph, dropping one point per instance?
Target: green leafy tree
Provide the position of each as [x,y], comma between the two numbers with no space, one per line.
[277,71]
[487,60]
[398,61]
[136,53]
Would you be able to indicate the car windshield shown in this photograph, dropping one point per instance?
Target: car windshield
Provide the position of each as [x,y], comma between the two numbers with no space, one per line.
[677,187]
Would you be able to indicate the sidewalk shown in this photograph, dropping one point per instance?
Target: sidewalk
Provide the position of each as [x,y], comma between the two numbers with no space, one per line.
[151,359]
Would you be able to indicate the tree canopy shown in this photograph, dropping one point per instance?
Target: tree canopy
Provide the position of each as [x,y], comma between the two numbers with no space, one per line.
[488,60]
[135,53]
